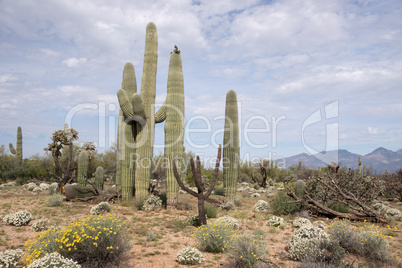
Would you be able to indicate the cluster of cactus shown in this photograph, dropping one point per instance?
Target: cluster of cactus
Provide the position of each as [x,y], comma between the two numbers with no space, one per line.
[17,151]
[137,119]
[231,147]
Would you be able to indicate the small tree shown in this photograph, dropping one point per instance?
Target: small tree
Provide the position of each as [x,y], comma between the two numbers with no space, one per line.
[196,170]
[59,138]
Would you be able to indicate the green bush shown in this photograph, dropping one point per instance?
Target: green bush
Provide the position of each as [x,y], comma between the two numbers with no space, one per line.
[219,191]
[150,236]
[238,203]
[96,241]
[374,246]
[214,238]
[210,210]
[279,206]
[55,200]
[246,252]
[340,207]
[341,231]
[139,202]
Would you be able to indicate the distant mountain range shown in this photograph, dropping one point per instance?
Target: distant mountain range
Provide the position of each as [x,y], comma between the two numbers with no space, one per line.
[377,161]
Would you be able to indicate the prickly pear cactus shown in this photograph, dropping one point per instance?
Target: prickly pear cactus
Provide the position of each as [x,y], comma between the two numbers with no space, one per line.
[231,147]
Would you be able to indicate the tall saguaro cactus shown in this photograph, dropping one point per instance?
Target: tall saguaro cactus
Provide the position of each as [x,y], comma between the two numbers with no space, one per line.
[140,108]
[231,146]
[18,150]
[174,126]
[126,137]
[99,177]
[82,173]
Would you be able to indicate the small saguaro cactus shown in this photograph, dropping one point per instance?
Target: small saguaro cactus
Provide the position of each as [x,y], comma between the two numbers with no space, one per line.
[18,150]
[360,166]
[299,188]
[82,173]
[200,194]
[231,147]
[99,177]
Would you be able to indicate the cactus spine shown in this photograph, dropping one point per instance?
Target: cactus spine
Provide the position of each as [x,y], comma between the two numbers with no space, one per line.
[174,126]
[231,147]
[99,175]
[83,161]
[141,109]
[18,150]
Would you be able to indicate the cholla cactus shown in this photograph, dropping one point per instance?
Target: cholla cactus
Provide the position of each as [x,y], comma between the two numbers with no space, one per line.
[44,186]
[299,222]
[9,258]
[304,240]
[261,206]
[276,221]
[41,225]
[18,219]
[229,221]
[152,202]
[102,206]
[54,260]
[189,256]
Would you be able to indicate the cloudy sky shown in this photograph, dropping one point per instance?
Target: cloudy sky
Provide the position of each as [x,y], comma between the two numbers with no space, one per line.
[310,75]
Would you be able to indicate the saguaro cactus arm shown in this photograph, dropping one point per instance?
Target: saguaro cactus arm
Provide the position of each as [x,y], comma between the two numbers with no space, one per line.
[138,107]
[125,103]
[160,116]
[12,149]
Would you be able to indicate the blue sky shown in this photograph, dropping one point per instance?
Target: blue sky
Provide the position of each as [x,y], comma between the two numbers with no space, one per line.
[287,61]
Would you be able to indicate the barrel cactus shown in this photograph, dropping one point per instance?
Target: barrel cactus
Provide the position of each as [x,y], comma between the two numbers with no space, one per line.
[99,176]
[82,173]
[231,146]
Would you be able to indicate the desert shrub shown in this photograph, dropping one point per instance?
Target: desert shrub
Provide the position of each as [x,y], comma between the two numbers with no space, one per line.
[393,185]
[214,237]
[53,260]
[280,207]
[139,201]
[227,220]
[44,186]
[18,219]
[52,188]
[55,200]
[238,203]
[305,240]
[184,206]
[228,205]
[276,221]
[101,207]
[259,234]
[9,258]
[374,245]
[325,251]
[210,210]
[37,189]
[150,236]
[299,222]
[41,225]
[152,202]
[347,237]
[31,186]
[320,224]
[163,197]
[246,252]
[194,221]
[219,191]
[189,256]
[96,241]
[261,206]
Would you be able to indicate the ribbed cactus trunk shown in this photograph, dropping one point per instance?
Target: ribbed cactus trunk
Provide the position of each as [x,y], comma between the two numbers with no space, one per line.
[231,147]
[360,166]
[99,177]
[18,150]
[119,151]
[174,126]
[82,173]
[146,128]
[127,137]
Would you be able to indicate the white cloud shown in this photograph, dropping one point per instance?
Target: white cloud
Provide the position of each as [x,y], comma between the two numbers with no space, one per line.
[74,62]
[372,130]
